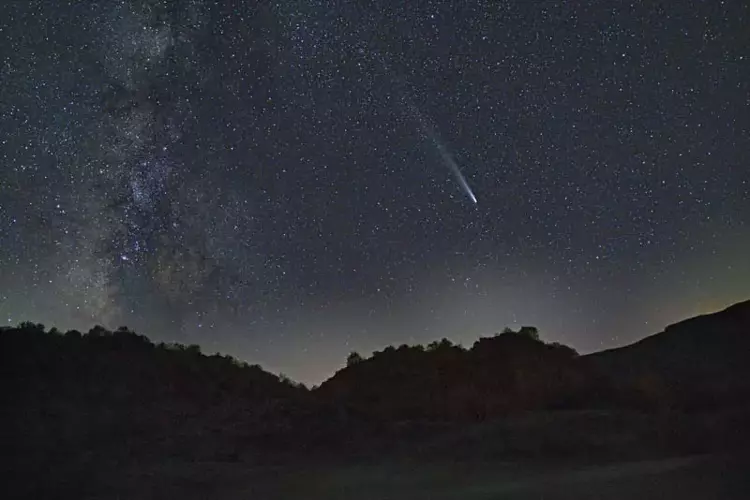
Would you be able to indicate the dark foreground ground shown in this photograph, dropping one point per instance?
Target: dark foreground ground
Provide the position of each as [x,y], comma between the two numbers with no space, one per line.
[576,455]
[687,478]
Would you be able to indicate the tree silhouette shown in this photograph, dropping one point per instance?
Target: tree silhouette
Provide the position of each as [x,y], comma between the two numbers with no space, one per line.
[353,358]
[529,331]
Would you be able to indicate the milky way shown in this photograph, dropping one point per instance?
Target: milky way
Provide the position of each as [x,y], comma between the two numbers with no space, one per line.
[282,182]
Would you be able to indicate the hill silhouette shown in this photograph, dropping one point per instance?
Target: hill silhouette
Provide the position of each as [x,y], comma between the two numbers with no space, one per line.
[497,376]
[119,392]
[701,362]
[120,397]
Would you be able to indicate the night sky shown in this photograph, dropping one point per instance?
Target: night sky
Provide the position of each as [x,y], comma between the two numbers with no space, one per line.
[290,182]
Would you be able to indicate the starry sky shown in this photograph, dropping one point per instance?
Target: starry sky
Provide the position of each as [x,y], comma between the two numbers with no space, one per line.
[287,182]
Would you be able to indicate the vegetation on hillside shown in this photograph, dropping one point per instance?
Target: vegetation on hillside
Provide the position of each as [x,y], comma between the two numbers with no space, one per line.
[73,393]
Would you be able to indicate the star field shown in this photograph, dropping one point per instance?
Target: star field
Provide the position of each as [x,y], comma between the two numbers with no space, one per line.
[290,181]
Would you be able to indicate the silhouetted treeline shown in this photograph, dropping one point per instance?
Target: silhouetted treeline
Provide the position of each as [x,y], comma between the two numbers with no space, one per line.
[695,365]
[119,391]
[497,376]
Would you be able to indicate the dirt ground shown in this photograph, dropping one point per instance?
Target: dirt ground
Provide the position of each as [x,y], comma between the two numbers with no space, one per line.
[715,477]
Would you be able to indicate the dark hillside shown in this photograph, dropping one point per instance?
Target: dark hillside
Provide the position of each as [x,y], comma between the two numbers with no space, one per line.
[117,397]
[118,394]
[699,362]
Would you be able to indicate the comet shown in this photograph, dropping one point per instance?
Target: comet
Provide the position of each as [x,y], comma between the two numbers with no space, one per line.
[430,133]
[448,160]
